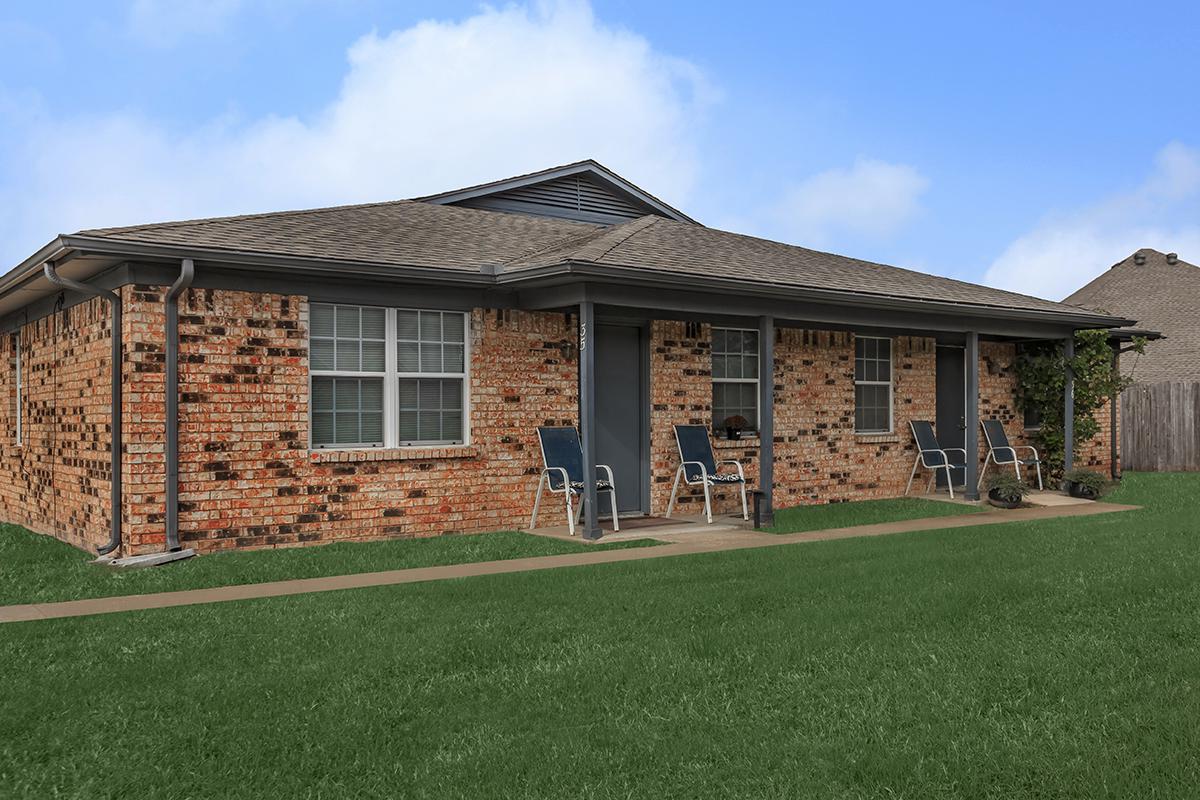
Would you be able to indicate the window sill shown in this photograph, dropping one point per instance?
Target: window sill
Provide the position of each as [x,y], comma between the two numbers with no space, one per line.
[334,456]
[735,444]
[877,438]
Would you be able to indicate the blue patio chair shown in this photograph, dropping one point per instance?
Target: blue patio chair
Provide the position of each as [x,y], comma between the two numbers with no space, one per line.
[698,467]
[563,473]
[932,456]
[1001,453]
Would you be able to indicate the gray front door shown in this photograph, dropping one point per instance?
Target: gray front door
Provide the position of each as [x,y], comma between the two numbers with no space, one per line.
[622,403]
[951,422]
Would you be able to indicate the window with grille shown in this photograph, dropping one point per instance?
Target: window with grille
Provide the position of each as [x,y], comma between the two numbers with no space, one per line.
[872,385]
[386,377]
[734,376]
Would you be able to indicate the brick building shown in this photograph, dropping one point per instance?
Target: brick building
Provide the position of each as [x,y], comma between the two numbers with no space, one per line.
[380,370]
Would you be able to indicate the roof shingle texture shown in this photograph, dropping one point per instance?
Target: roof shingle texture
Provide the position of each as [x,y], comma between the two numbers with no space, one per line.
[1160,296]
[398,233]
[409,233]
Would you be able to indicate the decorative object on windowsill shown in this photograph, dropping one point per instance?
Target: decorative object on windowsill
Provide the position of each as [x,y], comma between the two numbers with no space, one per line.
[1006,490]
[1084,483]
[734,426]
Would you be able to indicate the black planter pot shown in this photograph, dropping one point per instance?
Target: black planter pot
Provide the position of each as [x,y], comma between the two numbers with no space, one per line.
[1000,502]
[733,434]
[1079,490]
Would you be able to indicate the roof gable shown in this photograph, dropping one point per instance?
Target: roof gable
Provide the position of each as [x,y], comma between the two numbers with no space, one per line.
[585,191]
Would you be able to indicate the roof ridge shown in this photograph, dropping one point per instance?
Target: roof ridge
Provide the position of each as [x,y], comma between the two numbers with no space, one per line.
[569,241]
[635,228]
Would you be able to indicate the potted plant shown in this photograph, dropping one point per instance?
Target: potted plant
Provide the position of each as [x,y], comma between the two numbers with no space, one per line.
[1006,490]
[734,426]
[1084,483]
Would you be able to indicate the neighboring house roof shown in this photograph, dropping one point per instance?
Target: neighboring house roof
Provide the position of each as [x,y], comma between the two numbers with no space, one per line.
[1162,293]
[585,190]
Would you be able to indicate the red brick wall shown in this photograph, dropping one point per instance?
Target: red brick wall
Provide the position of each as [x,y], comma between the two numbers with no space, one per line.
[818,456]
[249,480]
[58,480]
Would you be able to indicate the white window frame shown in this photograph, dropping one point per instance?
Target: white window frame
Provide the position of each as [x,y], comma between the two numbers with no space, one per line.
[391,376]
[889,383]
[757,358]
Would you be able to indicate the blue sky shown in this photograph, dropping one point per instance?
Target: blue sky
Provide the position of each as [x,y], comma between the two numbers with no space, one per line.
[1024,145]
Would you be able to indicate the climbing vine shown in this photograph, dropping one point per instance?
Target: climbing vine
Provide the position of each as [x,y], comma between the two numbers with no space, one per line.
[1042,377]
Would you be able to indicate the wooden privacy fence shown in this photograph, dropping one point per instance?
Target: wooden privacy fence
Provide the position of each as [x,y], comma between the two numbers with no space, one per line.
[1159,428]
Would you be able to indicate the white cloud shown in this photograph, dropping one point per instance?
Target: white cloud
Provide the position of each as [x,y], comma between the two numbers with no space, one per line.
[165,22]
[871,198]
[1065,251]
[432,107]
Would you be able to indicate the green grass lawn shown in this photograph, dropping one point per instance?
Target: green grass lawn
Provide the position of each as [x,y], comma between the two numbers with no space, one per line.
[863,512]
[1048,659]
[36,569]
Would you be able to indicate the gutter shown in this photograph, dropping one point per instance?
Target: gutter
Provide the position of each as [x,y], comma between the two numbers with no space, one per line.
[626,275]
[114,302]
[187,271]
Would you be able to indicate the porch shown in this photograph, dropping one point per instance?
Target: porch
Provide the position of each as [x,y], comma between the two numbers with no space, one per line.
[646,363]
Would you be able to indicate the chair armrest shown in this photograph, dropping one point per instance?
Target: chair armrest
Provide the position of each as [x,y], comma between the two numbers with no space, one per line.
[1012,450]
[1030,449]
[962,450]
[566,478]
[736,463]
[700,464]
[608,470]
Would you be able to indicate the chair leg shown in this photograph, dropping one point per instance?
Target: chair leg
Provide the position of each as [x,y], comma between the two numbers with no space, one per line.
[708,502]
[949,480]
[912,475]
[745,509]
[1017,470]
[612,498]
[537,502]
[674,491]
[932,478]
[1038,466]
[571,511]
[579,508]
[983,472]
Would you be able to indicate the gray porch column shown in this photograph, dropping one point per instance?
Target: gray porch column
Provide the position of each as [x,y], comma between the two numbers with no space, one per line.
[587,415]
[971,417]
[766,417]
[1069,406]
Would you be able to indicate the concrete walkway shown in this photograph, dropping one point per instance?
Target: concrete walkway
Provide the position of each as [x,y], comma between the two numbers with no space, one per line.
[675,544]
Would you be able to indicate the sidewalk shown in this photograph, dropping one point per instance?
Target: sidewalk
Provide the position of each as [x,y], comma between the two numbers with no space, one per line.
[676,544]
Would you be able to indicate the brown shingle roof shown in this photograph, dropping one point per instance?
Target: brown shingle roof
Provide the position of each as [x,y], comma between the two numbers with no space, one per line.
[1160,296]
[398,233]
[407,233]
[676,247]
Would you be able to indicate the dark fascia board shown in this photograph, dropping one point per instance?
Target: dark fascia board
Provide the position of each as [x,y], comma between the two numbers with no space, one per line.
[541,278]
[637,276]
[592,167]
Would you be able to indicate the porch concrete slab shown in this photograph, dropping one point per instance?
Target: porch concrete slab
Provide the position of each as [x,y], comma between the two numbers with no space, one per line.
[1055,500]
[690,542]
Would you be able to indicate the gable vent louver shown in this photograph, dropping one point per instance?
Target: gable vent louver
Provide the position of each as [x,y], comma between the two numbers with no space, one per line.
[571,197]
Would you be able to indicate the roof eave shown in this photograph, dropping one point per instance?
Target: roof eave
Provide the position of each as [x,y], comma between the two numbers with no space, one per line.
[644,277]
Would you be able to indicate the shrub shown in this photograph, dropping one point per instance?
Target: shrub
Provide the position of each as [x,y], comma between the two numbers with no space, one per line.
[1086,478]
[1007,487]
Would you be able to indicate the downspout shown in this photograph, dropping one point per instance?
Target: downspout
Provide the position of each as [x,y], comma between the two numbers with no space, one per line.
[1114,456]
[187,271]
[114,302]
